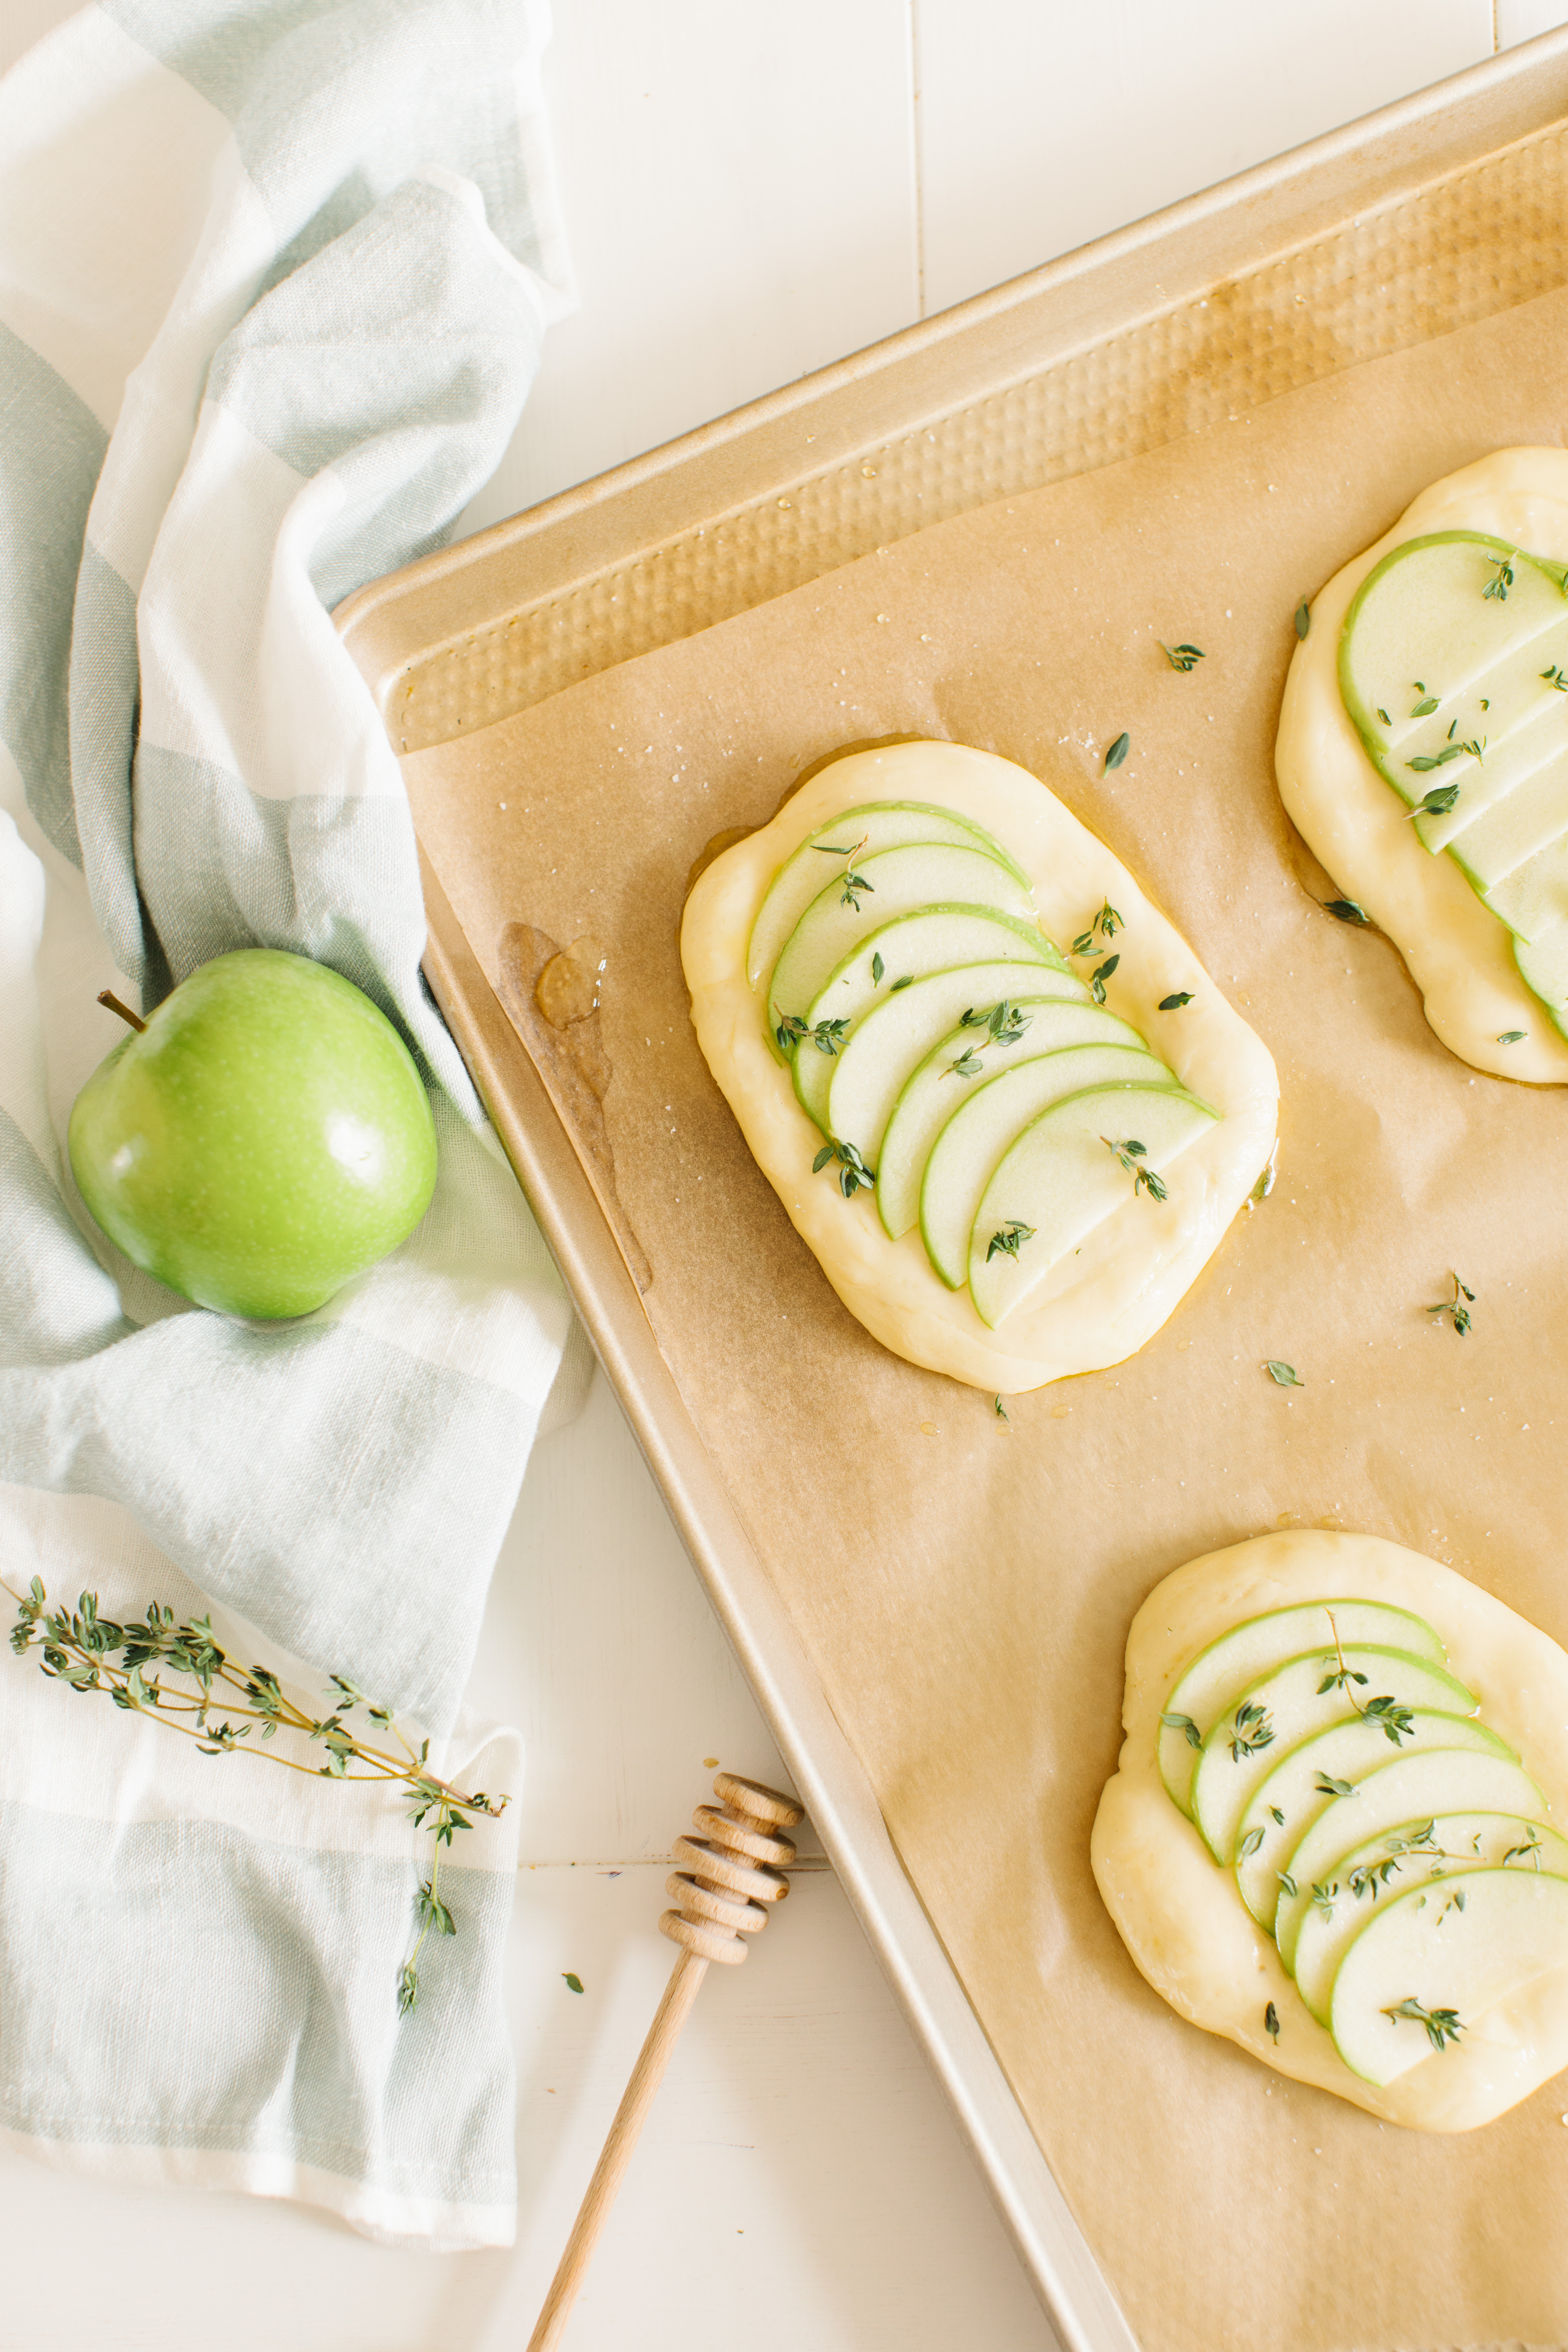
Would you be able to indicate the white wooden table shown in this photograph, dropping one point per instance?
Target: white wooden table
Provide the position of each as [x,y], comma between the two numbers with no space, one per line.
[752,191]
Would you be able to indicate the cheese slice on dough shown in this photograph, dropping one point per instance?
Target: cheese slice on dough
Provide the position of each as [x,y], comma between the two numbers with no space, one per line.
[1099,1304]
[1178,1911]
[1458,953]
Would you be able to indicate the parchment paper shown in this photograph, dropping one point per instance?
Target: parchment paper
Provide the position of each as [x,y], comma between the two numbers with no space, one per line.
[964,1587]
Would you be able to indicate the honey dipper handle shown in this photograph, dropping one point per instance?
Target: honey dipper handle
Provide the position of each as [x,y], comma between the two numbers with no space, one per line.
[630,2116]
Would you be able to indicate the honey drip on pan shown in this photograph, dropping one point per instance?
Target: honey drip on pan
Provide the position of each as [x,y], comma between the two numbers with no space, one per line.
[552,996]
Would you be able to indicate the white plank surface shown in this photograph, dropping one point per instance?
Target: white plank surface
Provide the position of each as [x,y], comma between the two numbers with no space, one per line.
[752,192]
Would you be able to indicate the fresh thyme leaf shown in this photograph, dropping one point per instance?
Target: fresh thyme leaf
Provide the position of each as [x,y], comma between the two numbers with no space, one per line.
[1009,1240]
[1250,1843]
[1303,618]
[1099,975]
[1272,2021]
[1443,2025]
[1425,708]
[828,1035]
[1384,717]
[1326,1786]
[904,982]
[1174,1003]
[1323,1898]
[1130,1155]
[1398,1723]
[1341,1680]
[1250,1730]
[1186,1726]
[1278,1816]
[1457,1309]
[1118,752]
[1001,1411]
[1503,567]
[968,1065]
[1554,676]
[1265,1185]
[1286,1882]
[1181,656]
[1084,943]
[1284,1376]
[877,968]
[1511,1037]
[790,1032]
[571,1980]
[1532,1846]
[822,1159]
[1347,910]
[853,884]
[852,1170]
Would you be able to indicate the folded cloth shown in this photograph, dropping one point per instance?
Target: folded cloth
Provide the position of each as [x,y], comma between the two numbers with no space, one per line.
[274,277]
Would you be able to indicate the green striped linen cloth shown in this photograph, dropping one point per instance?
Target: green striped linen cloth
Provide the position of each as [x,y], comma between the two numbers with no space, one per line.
[274,277]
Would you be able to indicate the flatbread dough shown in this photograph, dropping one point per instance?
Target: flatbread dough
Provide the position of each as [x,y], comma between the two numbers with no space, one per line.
[1101,1305]
[1178,1911]
[1458,953]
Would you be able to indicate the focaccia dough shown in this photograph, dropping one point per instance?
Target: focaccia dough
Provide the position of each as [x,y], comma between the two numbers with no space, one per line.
[1458,953]
[1178,1911]
[1103,1302]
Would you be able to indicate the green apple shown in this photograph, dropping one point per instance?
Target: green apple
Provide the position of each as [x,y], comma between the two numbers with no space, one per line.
[889,966]
[1423,1973]
[1065,1175]
[1282,1808]
[1451,665]
[893,882]
[260,1138]
[1215,1679]
[860,833]
[1416,1853]
[986,1121]
[1303,1696]
[888,1042]
[1412,1788]
[938,1089]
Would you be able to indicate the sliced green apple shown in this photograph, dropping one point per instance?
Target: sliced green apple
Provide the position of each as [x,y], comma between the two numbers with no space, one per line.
[1426,1971]
[894,882]
[1282,1808]
[987,1121]
[904,1025]
[860,832]
[1218,1675]
[1543,963]
[934,1091]
[1061,1179]
[1416,1853]
[1413,1788]
[1305,1695]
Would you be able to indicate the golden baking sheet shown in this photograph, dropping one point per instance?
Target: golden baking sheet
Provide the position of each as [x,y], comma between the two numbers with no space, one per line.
[964,1586]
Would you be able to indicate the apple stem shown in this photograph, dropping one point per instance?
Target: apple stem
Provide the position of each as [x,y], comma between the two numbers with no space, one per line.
[107,996]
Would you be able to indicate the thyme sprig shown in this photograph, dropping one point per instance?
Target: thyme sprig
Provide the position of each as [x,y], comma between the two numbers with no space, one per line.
[1396,1722]
[852,882]
[90,1653]
[1004,1025]
[1130,1154]
[1182,657]
[1008,1241]
[1554,676]
[1502,565]
[1458,1307]
[1443,2025]
[1099,975]
[852,1170]
[1251,1729]
[1105,926]
[828,1036]
[1186,1726]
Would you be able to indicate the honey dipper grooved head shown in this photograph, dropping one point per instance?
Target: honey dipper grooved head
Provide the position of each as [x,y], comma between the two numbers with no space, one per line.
[755,1803]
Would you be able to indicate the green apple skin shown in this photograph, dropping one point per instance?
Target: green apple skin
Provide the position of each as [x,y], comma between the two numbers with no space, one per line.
[262,1141]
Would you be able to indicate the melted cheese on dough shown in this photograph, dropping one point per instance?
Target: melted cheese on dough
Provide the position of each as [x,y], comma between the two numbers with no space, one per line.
[1179,1913]
[1459,954]
[1101,1304]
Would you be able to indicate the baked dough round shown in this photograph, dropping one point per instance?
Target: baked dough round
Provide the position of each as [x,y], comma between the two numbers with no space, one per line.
[1178,1911]
[1102,1304]
[1458,953]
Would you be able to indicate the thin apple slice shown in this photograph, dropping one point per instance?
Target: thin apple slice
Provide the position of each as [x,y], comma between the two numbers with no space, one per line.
[1302,1697]
[1543,967]
[1061,1179]
[876,825]
[1303,1785]
[1412,1788]
[1425,1972]
[875,889]
[1215,1679]
[905,1024]
[1417,1854]
[988,1122]
[935,1091]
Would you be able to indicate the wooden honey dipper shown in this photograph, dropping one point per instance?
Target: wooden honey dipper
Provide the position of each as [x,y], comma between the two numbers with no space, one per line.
[734,1870]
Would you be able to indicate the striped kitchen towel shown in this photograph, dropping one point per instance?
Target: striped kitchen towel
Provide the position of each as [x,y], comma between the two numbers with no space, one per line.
[274,277]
